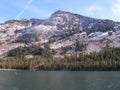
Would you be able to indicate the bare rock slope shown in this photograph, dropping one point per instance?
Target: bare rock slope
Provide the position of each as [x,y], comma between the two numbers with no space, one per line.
[60,31]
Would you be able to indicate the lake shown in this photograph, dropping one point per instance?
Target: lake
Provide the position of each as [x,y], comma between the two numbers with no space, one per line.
[59,80]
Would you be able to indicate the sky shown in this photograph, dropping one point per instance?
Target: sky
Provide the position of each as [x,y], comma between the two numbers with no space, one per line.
[42,9]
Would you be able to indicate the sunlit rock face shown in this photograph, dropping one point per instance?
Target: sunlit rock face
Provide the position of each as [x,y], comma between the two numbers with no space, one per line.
[61,30]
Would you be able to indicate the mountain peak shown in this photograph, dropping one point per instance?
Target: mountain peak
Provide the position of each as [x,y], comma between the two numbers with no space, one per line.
[60,11]
[61,29]
[64,12]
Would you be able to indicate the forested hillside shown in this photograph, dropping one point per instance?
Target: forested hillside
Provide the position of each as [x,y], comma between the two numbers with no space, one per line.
[108,59]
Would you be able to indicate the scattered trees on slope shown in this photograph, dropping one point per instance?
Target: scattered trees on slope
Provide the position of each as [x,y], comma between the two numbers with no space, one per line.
[104,60]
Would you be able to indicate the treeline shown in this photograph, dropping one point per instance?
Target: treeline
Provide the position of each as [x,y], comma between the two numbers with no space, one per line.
[21,52]
[108,59]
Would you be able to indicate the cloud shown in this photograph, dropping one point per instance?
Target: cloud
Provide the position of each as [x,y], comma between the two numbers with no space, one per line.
[92,9]
[18,16]
[116,8]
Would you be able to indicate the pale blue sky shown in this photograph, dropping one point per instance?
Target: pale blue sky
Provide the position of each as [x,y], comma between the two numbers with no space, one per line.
[17,9]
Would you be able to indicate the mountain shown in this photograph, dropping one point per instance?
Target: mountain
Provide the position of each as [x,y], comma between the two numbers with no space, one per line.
[64,32]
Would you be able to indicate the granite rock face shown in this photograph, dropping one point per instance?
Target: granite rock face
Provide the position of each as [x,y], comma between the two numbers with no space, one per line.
[61,30]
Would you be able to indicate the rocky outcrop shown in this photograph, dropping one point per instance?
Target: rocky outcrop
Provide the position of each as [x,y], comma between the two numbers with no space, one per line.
[62,29]
[36,21]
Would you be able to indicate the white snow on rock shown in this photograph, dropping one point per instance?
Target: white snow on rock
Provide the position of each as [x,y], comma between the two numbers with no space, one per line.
[61,30]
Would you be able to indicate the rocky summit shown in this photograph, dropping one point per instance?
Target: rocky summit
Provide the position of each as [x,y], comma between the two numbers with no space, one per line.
[65,33]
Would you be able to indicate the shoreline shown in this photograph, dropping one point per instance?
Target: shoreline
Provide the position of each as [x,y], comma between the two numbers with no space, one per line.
[10,70]
[58,70]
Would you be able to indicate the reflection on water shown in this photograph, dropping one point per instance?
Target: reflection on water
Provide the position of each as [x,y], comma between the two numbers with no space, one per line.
[59,80]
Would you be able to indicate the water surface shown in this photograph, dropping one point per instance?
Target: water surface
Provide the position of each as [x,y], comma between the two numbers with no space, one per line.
[59,80]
